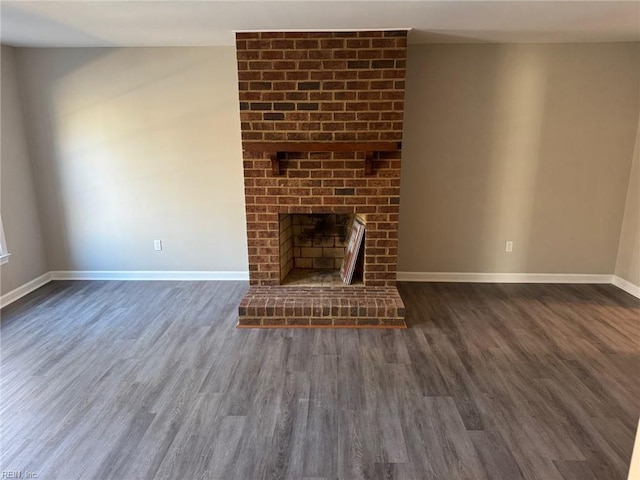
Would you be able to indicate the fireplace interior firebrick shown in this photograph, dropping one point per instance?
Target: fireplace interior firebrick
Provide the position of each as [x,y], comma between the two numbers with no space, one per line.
[312,249]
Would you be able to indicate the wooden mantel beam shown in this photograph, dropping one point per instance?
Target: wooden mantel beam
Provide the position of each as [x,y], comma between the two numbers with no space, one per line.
[275,149]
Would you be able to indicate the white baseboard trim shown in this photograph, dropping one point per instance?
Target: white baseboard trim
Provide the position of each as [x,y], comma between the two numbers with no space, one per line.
[36,283]
[502,277]
[148,275]
[25,289]
[627,286]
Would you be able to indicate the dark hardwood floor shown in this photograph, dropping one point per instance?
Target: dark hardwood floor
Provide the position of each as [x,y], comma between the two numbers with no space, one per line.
[128,380]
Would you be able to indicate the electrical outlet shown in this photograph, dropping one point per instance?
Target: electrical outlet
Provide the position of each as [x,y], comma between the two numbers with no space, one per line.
[157,245]
[508,247]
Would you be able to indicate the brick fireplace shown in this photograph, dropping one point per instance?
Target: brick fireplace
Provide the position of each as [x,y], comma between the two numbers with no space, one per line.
[321,119]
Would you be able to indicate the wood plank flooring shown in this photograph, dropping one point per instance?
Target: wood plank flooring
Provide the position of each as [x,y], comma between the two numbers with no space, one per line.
[150,380]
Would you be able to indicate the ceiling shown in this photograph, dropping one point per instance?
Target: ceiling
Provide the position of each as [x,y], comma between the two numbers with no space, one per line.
[180,23]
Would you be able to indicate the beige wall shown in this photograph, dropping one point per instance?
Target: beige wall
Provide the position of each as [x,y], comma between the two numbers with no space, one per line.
[628,262]
[132,145]
[529,143]
[17,198]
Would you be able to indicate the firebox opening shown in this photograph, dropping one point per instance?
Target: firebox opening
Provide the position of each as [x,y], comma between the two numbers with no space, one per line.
[312,249]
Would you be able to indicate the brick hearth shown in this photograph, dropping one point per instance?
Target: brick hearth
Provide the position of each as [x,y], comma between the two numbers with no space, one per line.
[322,307]
[338,90]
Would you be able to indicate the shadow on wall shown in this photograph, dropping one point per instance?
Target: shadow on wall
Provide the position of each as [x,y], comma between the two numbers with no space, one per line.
[136,145]
[486,137]
[523,143]
[521,81]
[19,22]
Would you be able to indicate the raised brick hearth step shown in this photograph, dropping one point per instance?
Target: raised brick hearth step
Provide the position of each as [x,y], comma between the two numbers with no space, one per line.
[355,306]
